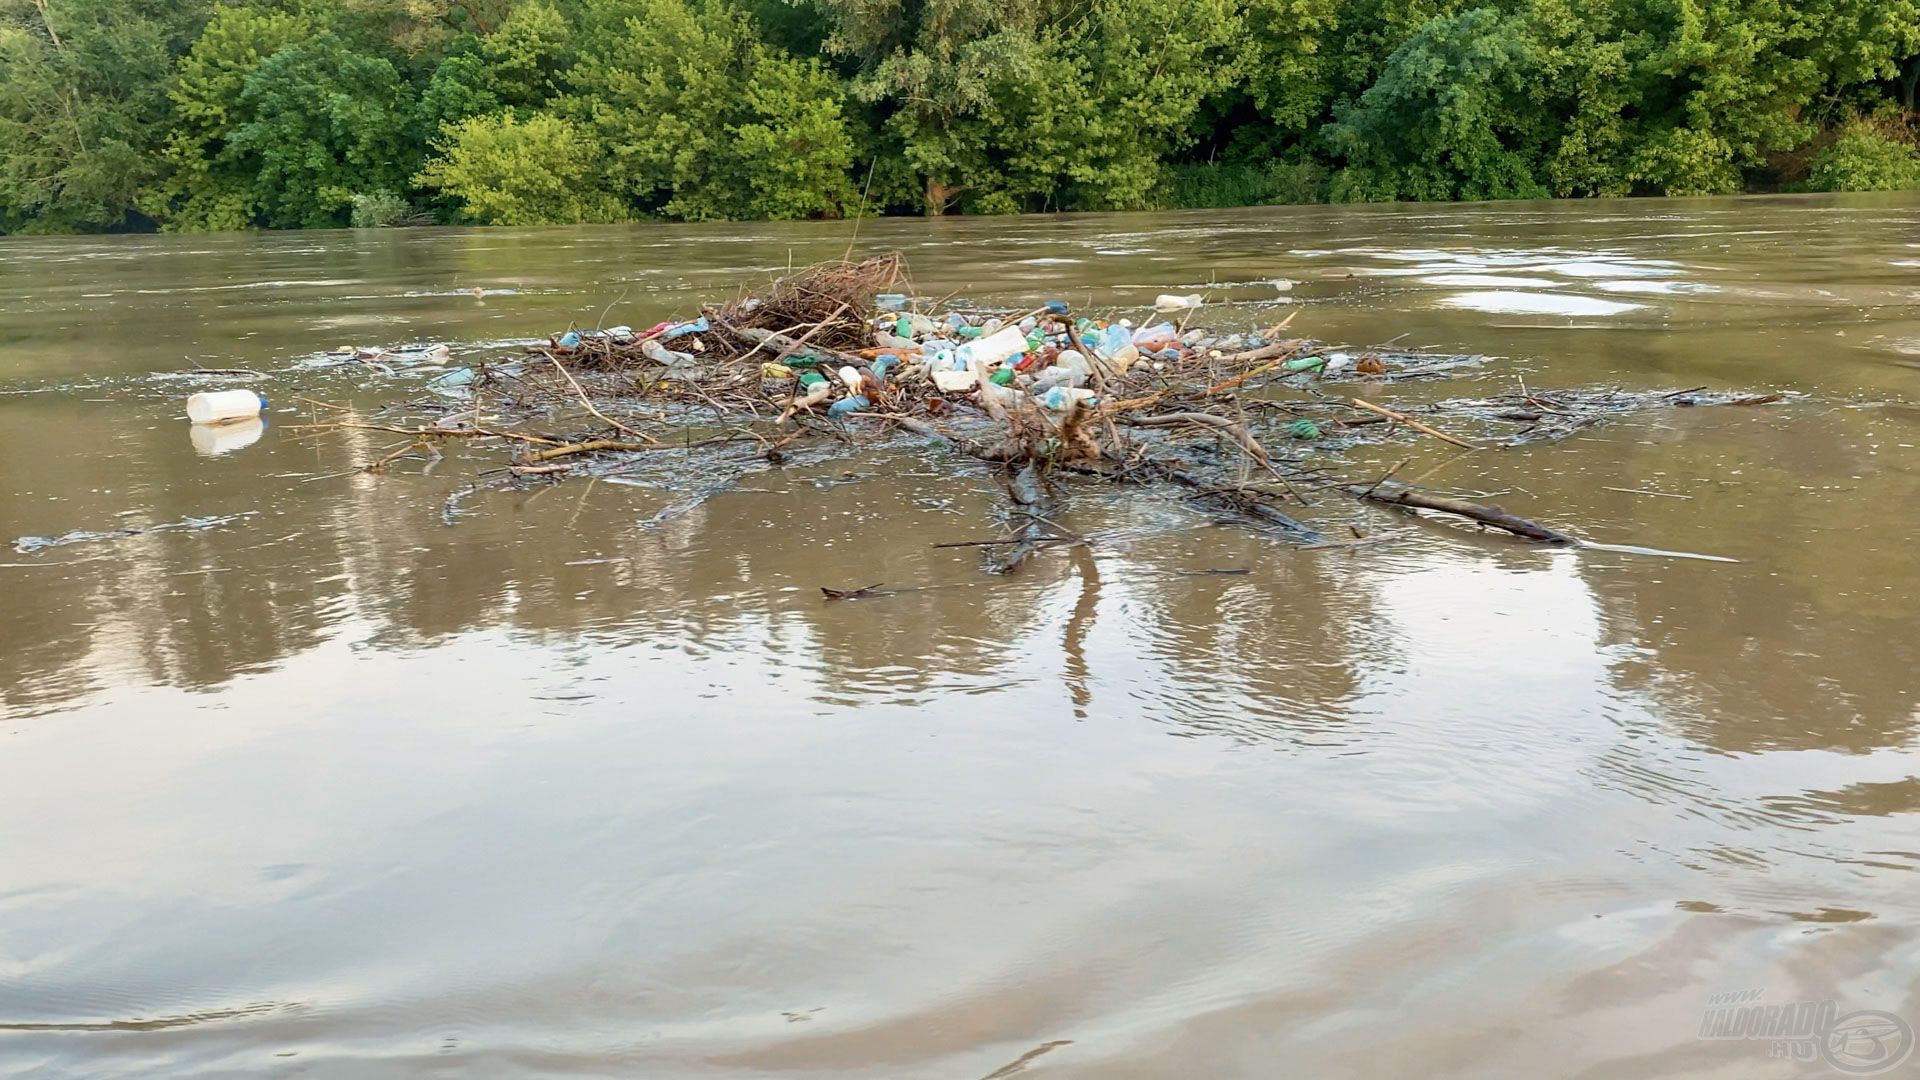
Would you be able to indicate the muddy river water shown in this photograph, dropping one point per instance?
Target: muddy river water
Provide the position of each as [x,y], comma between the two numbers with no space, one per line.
[555,783]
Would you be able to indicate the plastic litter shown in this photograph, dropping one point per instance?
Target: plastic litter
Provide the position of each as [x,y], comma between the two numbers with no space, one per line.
[848,405]
[697,326]
[1158,336]
[890,301]
[221,406]
[1062,398]
[955,382]
[1169,304]
[1002,346]
[1303,429]
[681,367]
[456,378]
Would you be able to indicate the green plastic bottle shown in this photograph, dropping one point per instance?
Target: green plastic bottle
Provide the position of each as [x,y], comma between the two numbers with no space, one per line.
[1002,377]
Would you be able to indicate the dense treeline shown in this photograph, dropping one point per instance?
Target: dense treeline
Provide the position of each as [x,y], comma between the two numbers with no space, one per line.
[189,114]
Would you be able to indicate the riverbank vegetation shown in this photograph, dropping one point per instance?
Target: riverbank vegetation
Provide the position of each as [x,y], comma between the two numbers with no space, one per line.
[191,115]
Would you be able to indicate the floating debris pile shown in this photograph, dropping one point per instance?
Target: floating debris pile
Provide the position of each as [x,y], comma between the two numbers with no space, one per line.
[843,357]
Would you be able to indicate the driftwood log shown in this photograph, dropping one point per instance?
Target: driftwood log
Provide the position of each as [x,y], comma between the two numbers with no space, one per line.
[1394,494]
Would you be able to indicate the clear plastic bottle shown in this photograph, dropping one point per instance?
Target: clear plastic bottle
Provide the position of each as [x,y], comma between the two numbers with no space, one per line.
[1062,398]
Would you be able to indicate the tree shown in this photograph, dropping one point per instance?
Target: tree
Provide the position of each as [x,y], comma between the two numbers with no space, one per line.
[426,26]
[207,187]
[284,138]
[932,68]
[522,65]
[701,120]
[1450,118]
[83,106]
[502,171]
[1865,158]
[324,121]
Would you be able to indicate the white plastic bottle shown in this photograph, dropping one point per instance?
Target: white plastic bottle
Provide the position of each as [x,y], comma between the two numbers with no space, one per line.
[221,406]
[994,349]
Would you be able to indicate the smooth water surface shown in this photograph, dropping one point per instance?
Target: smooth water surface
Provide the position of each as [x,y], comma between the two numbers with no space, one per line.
[588,779]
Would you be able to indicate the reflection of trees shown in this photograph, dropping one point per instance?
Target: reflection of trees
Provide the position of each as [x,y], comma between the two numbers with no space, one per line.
[1809,644]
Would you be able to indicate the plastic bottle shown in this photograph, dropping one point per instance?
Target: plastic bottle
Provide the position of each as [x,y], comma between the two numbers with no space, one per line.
[890,301]
[848,405]
[1169,304]
[1062,398]
[1116,346]
[697,326]
[681,367]
[903,328]
[816,393]
[996,349]
[850,375]
[221,406]
[1058,375]
[660,354]
[954,382]
[1155,337]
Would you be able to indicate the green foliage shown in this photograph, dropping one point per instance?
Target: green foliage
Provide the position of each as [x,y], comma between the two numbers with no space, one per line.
[226,114]
[1449,118]
[1037,104]
[522,65]
[83,106]
[278,125]
[1864,158]
[502,171]
[1196,187]
[703,121]
[380,210]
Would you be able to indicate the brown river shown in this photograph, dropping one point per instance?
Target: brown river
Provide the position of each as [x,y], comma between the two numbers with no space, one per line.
[352,782]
